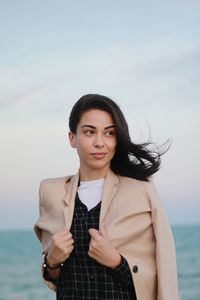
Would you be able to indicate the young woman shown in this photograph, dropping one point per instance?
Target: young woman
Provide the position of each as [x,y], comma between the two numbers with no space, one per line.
[104,232]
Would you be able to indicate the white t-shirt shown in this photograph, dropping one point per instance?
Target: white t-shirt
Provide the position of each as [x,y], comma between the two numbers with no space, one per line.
[90,192]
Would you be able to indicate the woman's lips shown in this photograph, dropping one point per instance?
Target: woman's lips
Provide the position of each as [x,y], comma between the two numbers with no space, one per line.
[99,154]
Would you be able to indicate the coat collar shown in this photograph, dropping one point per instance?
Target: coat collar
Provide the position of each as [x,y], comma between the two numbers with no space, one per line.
[110,188]
[72,184]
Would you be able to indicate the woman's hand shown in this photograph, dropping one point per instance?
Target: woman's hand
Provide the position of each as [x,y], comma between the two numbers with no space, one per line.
[102,250]
[61,248]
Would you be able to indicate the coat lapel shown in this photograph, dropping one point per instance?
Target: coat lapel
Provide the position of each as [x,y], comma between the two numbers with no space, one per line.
[110,188]
[69,199]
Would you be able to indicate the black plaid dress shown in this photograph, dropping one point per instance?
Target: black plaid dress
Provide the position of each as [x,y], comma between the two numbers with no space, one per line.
[81,276]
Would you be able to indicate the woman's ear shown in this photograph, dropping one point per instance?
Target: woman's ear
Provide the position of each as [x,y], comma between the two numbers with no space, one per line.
[72,139]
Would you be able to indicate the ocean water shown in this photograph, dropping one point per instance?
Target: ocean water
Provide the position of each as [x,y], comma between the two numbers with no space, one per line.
[20,259]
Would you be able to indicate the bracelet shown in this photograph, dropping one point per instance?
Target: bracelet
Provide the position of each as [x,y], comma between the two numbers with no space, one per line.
[46,265]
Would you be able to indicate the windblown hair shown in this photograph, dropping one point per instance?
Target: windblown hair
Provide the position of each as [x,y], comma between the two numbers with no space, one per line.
[130,160]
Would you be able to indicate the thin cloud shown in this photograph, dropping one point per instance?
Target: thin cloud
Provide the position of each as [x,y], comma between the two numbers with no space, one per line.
[21,95]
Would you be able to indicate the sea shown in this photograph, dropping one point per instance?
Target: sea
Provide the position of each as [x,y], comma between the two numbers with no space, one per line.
[20,259]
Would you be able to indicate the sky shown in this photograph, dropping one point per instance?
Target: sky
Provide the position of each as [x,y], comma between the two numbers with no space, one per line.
[145,55]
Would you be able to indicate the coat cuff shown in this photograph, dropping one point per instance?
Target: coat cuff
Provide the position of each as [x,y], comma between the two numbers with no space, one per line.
[122,274]
[48,277]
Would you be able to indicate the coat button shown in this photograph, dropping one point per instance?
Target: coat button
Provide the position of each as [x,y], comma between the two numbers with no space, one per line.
[135,269]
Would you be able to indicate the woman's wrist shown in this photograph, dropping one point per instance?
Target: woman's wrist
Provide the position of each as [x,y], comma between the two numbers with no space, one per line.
[51,272]
[117,262]
[48,264]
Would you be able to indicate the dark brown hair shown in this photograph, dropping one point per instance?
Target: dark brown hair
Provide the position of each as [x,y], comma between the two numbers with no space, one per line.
[131,160]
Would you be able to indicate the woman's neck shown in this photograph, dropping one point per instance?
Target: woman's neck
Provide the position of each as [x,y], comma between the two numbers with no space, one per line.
[94,175]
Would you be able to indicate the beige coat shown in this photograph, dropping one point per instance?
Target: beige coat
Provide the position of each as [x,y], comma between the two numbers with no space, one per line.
[135,222]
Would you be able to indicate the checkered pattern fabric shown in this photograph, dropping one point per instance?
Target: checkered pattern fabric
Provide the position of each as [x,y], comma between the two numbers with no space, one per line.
[81,276]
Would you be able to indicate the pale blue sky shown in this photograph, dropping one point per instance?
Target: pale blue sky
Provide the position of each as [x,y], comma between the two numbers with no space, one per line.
[143,54]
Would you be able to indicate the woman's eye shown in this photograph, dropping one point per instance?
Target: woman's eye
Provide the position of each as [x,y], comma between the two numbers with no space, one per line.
[110,133]
[89,132]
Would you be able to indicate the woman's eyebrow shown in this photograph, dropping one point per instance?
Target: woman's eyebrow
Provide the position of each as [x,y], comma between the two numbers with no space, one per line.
[93,127]
[90,126]
[111,126]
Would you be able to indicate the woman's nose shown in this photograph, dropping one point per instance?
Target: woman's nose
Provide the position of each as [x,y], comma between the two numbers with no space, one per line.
[99,142]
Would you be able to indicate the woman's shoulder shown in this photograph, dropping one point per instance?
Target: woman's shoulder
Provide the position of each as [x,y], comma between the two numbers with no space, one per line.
[56,181]
[133,182]
[147,188]
[129,182]
[51,190]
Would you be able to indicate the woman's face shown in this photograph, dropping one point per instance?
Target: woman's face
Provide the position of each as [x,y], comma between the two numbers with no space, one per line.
[95,142]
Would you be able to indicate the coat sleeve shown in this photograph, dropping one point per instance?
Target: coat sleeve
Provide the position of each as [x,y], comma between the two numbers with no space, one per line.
[38,228]
[167,283]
